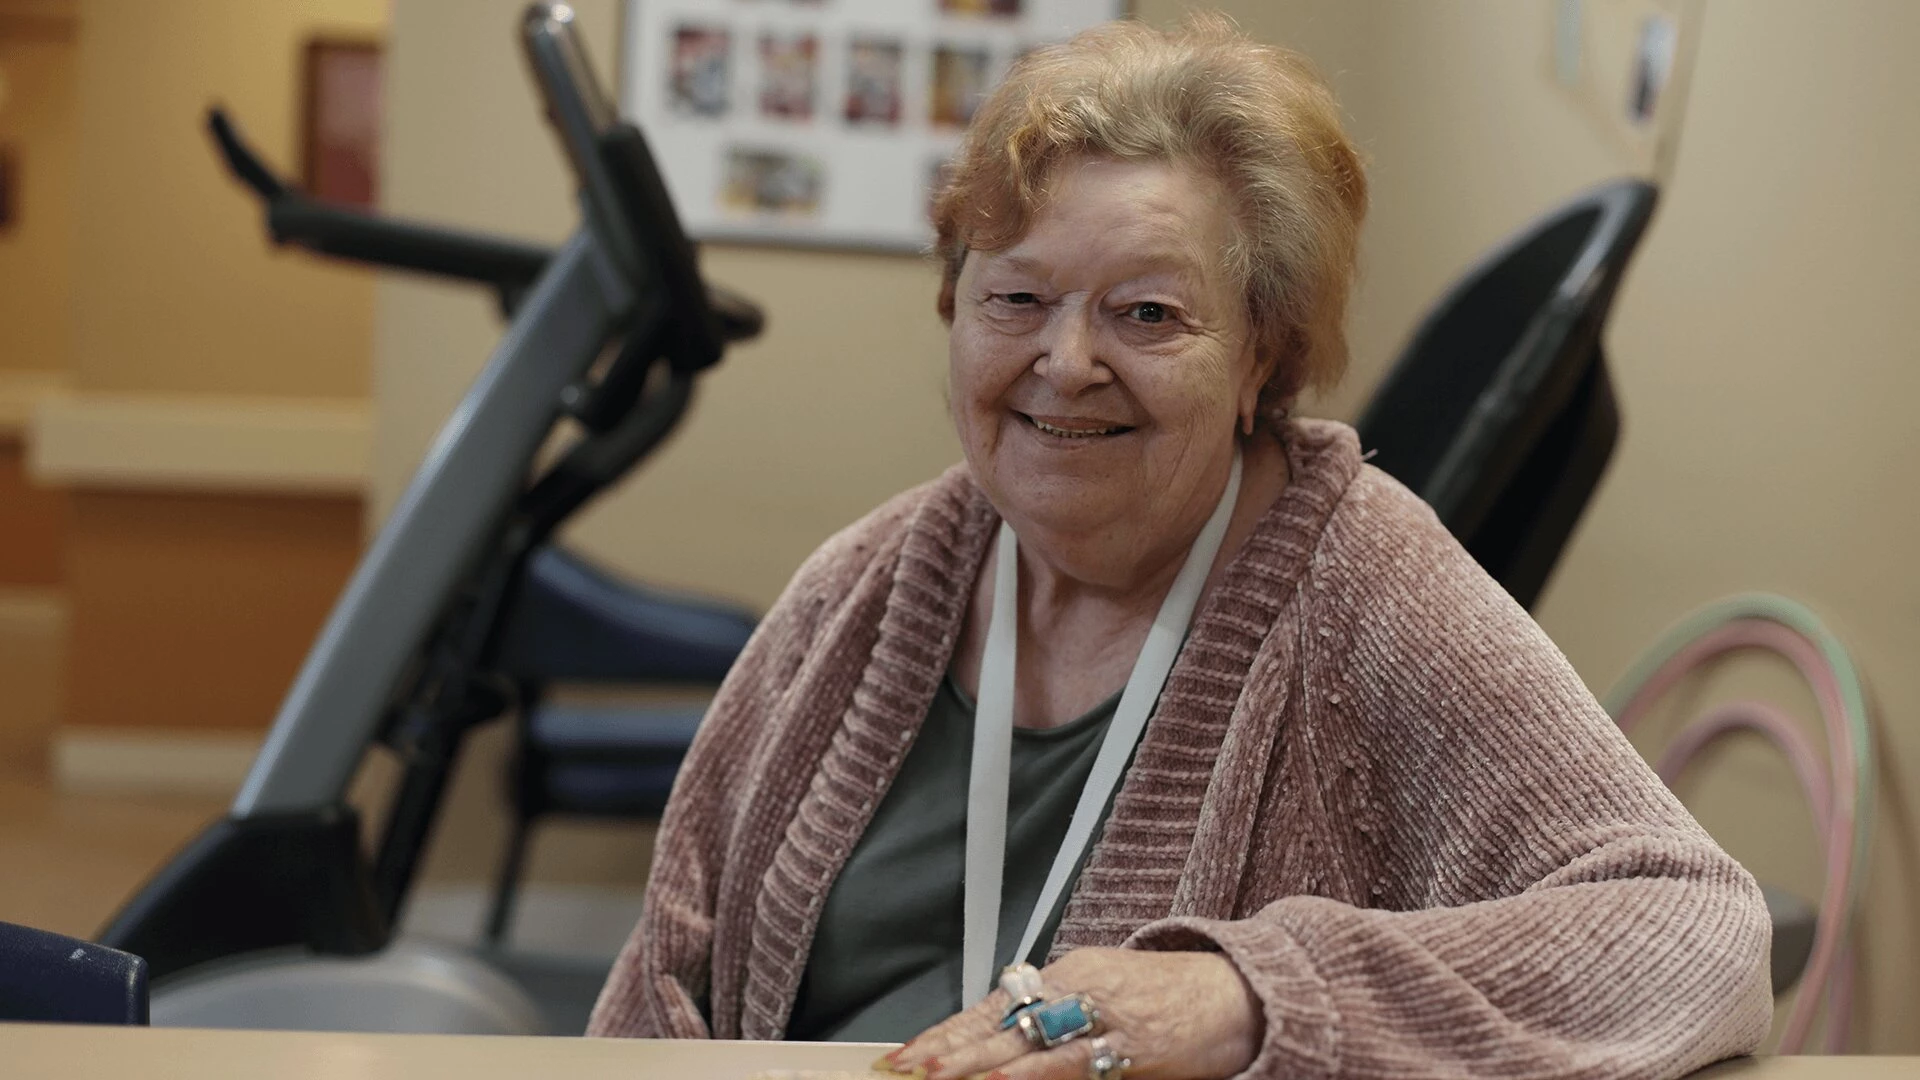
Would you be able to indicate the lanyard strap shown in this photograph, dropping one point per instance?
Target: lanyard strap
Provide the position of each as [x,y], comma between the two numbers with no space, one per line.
[993,743]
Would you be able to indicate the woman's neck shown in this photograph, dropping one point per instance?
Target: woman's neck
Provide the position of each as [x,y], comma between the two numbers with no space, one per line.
[1054,589]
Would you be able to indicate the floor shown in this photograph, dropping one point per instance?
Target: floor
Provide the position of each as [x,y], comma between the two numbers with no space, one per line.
[71,859]
[68,860]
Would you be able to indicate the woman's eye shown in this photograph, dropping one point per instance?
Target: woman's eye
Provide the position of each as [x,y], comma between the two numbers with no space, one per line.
[1150,312]
[1020,298]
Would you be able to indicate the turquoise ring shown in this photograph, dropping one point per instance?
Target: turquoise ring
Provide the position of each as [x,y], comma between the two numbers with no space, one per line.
[1062,1020]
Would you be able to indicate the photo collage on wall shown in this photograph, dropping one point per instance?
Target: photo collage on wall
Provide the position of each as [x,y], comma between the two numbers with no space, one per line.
[822,122]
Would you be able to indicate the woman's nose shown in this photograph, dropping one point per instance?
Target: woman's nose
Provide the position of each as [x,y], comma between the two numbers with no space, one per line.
[1071,360]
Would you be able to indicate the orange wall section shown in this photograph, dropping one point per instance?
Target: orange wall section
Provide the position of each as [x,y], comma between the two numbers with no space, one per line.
[33,524]
[36,125]
[193,611]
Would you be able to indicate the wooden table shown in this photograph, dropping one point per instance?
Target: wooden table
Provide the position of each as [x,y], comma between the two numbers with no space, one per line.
[47,1052]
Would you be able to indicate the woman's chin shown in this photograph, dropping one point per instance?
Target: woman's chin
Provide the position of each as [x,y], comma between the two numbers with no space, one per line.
[1061,510]
[1066,486]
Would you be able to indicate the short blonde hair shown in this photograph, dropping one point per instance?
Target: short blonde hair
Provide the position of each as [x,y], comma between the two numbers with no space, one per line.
[1256,118]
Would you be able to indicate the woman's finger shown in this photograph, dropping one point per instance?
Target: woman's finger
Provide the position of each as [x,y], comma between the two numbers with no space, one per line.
[971,1027]
[980,1057]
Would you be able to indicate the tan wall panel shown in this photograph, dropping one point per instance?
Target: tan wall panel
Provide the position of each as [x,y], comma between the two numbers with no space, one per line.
[36,124]
[1767,376]
[33,523]
[202,442]
[175,286]
[193,611]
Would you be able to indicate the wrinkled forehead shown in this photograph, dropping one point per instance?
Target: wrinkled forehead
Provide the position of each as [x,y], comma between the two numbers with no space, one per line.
[1132,218]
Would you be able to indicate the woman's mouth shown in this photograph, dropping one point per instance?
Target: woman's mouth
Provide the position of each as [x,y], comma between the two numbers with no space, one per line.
[1065,427]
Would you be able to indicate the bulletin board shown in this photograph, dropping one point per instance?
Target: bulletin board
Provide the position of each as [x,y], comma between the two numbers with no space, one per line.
[821,122]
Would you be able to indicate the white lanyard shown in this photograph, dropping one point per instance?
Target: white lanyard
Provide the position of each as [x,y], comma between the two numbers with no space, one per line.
[993,743]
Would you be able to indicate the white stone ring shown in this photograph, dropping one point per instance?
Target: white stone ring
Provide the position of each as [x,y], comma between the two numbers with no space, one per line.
[1020,981]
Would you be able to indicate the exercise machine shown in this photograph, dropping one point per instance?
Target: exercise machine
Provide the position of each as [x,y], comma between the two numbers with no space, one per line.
[278,915]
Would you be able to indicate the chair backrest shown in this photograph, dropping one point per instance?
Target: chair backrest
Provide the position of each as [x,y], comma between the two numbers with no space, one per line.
[1499,412]
[572,621]
[51,978]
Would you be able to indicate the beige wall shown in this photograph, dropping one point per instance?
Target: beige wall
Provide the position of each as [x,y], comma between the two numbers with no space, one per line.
[179,289]
[1766,376]
[1755,348]
[1769,440]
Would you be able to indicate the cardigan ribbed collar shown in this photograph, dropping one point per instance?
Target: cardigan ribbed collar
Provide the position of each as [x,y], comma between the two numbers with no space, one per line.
[1176,839]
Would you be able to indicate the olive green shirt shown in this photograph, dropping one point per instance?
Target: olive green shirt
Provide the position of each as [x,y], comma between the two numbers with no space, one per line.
[885,963]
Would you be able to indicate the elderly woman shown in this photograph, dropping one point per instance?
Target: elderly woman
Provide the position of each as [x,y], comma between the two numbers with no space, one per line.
[1168,692]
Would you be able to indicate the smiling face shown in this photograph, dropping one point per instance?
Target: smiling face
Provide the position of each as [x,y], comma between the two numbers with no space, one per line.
[1100,366]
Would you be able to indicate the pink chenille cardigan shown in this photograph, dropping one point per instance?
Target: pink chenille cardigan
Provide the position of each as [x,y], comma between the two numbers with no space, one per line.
[1371,782]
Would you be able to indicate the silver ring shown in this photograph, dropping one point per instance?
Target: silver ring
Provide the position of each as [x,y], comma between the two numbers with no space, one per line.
[1019,1006]
[1030,1030]
[1105,1063]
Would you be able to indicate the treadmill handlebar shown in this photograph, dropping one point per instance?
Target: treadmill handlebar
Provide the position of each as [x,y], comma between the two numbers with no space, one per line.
[294,217]
[240,158]
[623,196]
[342,232]
[350,234]
[574,103]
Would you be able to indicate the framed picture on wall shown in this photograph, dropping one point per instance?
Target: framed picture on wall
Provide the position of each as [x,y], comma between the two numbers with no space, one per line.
[817,123]
[9,182]
[340,120]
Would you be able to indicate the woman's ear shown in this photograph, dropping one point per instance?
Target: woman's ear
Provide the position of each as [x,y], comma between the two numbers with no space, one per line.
[1259,371]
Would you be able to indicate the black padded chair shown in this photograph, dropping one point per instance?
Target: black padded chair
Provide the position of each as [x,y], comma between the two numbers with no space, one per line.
[573,622]
[50,978]
[1500,413]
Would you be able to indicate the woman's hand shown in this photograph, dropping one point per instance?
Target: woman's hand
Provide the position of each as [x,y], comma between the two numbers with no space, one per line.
[1178,1016]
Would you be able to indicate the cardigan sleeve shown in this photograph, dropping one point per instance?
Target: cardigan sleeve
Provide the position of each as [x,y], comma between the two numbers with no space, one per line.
[660,981]
[1539,903]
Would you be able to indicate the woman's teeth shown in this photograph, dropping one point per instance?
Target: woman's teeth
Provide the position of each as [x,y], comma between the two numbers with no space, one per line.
[1075,433]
